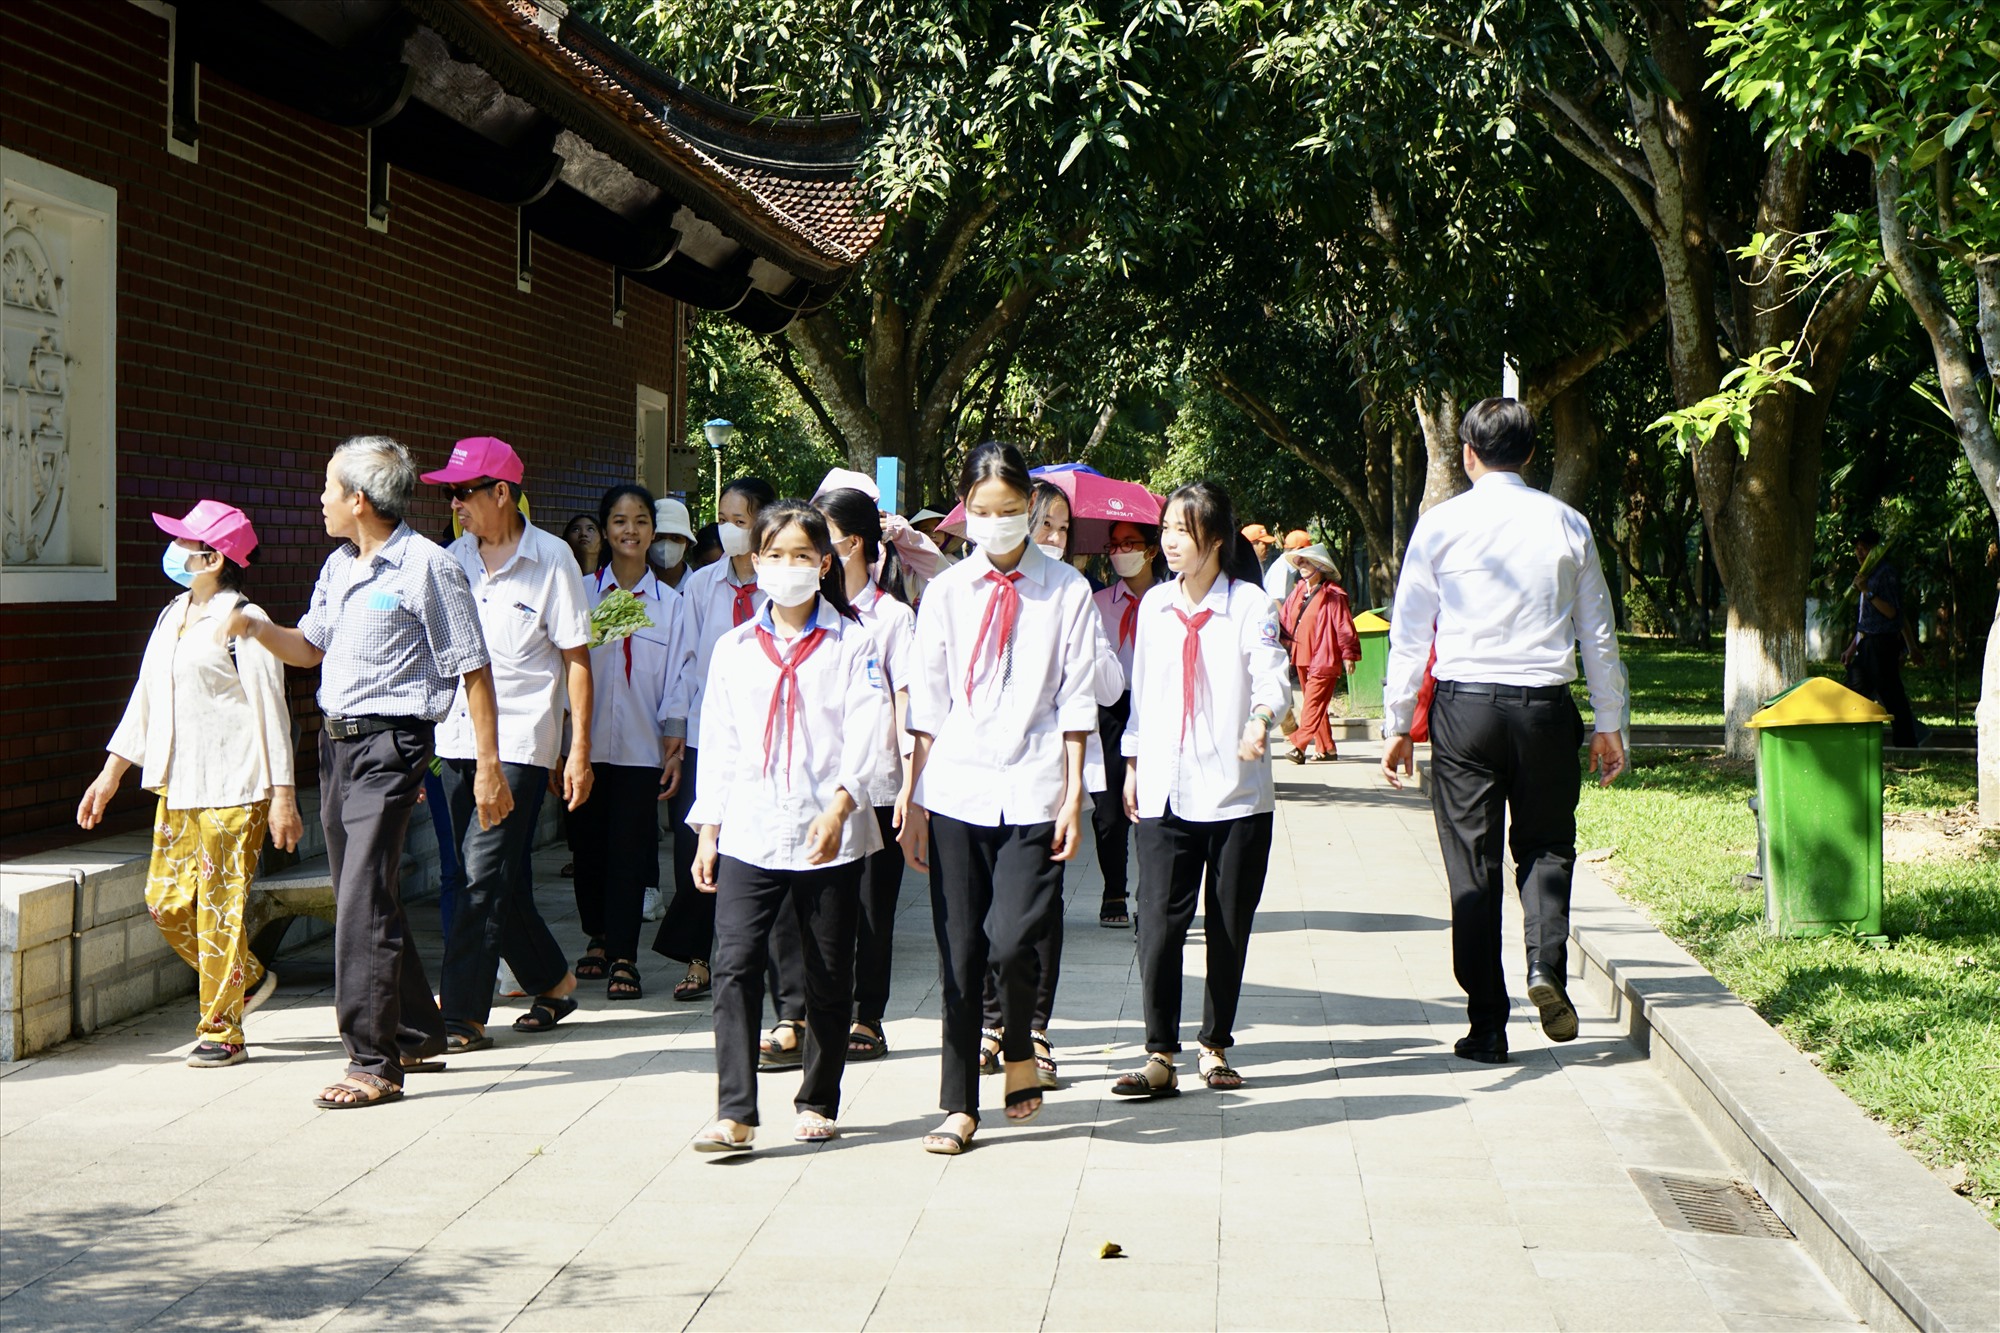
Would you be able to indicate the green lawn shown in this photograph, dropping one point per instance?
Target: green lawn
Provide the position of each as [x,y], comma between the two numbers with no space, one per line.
[1911,1031]
[1673,685]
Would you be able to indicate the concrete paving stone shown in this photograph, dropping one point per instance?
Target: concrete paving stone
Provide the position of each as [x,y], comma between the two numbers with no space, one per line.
[1303,1269]
[1753,1276]
[1393,1199]
[1481,1316]
[971,1306]
[756,1301]
[1616,1303]
[395,1312]
[1151,1236]
[1766,1323]
[639,1301]
[1266,1310]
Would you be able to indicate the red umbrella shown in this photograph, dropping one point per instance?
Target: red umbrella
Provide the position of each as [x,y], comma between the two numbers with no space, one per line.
[1095,503]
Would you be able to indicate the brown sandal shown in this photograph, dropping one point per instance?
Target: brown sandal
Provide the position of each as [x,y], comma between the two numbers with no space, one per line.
[358,1090]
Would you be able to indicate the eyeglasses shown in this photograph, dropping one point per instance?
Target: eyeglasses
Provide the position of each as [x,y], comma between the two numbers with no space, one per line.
[463,493]
[1124,548]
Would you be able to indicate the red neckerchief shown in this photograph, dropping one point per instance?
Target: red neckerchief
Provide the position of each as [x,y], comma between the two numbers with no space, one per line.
[743,608]
[1128,620]
[1190,662]
[627,641]
[788,673]
[1005,600]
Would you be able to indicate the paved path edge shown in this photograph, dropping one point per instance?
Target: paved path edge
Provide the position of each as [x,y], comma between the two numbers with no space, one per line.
[1896,1242]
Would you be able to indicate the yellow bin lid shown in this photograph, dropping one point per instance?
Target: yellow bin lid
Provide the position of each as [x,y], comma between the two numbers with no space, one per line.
[1817,701]
[1370,623]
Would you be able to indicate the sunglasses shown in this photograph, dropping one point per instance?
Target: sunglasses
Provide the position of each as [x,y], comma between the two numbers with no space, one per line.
[463,493]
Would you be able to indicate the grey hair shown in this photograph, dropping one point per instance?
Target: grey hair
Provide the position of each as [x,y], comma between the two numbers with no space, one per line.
[380,469]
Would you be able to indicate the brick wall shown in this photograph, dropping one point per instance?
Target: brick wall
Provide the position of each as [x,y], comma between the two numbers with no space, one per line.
[260,322]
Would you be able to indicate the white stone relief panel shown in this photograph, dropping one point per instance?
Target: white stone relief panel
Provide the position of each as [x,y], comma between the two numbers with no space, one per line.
[58,292]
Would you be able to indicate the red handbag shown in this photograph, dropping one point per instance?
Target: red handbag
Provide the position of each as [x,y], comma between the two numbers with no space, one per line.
[1420,721]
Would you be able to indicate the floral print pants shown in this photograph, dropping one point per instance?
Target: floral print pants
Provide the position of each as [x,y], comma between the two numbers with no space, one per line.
[203,862]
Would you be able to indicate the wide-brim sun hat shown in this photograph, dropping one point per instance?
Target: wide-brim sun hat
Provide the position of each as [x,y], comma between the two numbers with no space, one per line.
[670,519]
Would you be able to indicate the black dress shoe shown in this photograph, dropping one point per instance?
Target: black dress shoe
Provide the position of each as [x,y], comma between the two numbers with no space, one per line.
[1488,1050]
[1548,994]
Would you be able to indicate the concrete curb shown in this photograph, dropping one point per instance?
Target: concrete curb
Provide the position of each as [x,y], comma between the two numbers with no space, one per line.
[1901,1247]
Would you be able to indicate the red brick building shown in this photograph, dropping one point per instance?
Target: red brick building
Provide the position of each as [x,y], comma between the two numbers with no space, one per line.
[237,232]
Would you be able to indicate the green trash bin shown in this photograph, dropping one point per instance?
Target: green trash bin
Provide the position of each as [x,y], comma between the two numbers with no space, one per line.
[1364,686]
[1819,810]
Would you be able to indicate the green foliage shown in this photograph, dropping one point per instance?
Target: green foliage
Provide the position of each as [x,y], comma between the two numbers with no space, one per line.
[1766,371]
[731,376]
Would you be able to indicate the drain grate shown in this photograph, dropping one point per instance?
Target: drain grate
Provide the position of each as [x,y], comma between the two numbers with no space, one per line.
[1709,1204]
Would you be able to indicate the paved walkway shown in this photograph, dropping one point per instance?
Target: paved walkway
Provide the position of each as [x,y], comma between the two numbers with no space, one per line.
[1365,1179]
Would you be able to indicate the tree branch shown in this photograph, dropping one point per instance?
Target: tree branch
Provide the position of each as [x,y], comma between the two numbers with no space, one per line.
[779,355]
[818,341]
[1544,384]
[945,389]
[958,245]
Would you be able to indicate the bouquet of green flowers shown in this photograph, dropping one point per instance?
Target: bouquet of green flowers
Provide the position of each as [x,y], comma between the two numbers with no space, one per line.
[620,615]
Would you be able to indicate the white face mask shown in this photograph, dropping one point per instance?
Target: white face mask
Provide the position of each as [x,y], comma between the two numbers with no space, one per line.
[1127,563]
[735,540]
[788,585]
[996,533]
[1050,549]
[667,552]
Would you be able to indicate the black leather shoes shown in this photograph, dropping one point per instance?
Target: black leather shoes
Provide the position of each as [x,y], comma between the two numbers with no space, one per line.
[1488,1050]
[1548,995]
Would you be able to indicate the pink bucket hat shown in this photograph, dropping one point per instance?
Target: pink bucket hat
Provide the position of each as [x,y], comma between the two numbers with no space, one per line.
[215,524]
[480,456]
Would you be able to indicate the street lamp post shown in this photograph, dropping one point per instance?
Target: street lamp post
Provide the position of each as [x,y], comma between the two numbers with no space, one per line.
[719,433]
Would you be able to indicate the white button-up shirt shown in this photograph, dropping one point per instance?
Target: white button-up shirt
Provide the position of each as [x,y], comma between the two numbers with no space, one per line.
[207,731]
[1112,604]
[997,757]
[530,610]
[632,680]
[764,801]
[1194,767]
[710,594]
[1509,577]
[893,626]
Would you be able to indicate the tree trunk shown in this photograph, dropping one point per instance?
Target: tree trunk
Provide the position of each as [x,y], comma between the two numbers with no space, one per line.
[1576,441]
[1444,472]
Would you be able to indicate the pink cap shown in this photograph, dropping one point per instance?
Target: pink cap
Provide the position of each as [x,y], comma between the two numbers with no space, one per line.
[480,456]
[215,524]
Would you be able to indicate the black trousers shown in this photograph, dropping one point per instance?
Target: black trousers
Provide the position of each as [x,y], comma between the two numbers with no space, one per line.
[496,916]
[1175,856]
[993,891]
[748,900]
[1048,971]
[1107,807]
[687,931]
[381,999]
[875,933]
[1505,761]
[1876,670]
[614,838]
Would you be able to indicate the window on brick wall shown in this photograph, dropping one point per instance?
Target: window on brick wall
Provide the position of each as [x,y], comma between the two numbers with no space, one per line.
[58,391]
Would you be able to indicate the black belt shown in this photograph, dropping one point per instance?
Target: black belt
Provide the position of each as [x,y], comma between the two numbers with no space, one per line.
[1520,693]
[351,728]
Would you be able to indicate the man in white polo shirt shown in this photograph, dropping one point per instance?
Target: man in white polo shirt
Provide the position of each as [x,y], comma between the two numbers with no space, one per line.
[536,620]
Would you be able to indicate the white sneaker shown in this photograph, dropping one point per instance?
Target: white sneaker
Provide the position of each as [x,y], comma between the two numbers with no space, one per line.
[506,987]
[655,905]
[265,990]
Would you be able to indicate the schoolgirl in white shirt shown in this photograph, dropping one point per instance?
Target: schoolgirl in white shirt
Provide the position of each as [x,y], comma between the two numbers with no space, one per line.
[855,525]
[719,597]
[793,733]
[1208,679]
[635,747]
[1000,704]
[1134,552]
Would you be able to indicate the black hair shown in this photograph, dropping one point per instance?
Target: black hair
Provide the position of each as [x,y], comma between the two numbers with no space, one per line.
[707,537]
[574,519]
[1149,533]
[1500,431]
[1043,499]
[856,515]
[994,461]
[1868,537]
[605,504]
[228,574]
[775,517]
[1211,518]
[753,489]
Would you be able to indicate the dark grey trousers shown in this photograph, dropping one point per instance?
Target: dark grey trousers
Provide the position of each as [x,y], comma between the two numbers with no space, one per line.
[1176,856]
[382,1002]
[496,916]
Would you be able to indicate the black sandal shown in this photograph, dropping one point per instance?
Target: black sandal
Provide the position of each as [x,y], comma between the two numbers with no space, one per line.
[463,1039]
[592,966]
[949,1142]
[772,1055]
[989,1056]
[1215,1071]
[1045,1061]
[693,987]
[1114,915]
[1022,1096]
[624,983]
[1137,1084]
[870,1045]
[545,1013]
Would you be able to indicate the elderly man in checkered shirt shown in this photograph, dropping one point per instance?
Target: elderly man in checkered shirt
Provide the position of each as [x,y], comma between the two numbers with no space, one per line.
[393,629]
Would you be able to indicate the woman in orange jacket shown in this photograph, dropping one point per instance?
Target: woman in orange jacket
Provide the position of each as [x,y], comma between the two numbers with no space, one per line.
[1318,630]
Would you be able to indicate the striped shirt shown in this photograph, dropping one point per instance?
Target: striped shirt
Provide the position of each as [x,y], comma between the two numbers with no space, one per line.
[398,629]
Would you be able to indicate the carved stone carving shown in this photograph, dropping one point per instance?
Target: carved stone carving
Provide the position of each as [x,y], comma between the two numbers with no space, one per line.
[34,392]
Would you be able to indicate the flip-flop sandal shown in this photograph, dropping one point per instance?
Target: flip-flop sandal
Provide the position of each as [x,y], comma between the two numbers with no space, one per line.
[1136,1084]
[384,1091]
[592,966]
[869,1045]
[460,1040]
[694,988]
[624,983]
[815,1128]
[1022,1096]
[716,1139]
[772,1055]
[1114,915]
[555,1009]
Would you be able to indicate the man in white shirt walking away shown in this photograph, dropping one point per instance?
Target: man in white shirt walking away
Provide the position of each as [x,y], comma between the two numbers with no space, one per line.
[1505,579]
